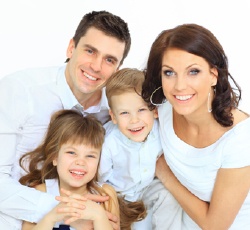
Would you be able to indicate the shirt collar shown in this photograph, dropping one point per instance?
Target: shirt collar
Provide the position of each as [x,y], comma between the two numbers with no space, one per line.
[67,97]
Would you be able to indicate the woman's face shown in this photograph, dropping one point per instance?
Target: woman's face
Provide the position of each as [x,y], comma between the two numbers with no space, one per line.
[187,81]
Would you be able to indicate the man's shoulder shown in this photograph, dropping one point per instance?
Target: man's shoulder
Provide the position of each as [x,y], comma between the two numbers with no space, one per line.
[31,75]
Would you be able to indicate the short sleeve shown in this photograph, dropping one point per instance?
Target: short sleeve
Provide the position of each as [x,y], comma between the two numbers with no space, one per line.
[236,152]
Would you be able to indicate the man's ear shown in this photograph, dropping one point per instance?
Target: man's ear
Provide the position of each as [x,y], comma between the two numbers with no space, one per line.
[70,48]
[112,115]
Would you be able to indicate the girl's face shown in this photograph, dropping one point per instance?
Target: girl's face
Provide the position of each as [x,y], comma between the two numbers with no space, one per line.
[187,80]
[76,166]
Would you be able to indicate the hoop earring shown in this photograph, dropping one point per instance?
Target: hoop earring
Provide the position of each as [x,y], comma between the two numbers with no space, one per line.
[151,98]
[208,102]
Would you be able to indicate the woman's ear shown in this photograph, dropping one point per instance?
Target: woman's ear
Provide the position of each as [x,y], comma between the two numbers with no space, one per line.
[155,111]
[214,72]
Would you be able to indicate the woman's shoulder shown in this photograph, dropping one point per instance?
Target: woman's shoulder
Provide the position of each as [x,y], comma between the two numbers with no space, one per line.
[239,116]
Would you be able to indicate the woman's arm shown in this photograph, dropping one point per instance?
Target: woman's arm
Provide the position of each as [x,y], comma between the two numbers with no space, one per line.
[230,190]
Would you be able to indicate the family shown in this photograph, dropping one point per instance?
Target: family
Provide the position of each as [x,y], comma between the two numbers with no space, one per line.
[92,145]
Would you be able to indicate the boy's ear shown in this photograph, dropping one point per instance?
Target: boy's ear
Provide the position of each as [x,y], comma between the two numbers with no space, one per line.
[112,116]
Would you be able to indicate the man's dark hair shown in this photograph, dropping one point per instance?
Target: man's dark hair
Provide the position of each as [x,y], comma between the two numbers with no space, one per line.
[109,24]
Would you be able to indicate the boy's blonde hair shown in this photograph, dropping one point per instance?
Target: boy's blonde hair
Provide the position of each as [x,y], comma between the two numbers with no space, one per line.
[124,80]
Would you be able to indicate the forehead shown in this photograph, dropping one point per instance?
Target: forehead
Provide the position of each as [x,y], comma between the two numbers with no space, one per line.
[127,100]
[181,58]
[105,44]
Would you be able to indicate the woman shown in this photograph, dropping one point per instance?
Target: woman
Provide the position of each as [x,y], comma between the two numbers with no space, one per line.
[203,133]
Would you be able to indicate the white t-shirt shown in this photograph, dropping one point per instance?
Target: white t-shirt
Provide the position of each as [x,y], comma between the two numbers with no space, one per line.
[196,168]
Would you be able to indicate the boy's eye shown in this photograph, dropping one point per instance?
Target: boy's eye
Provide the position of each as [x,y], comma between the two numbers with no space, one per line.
[123,113]
[91,156]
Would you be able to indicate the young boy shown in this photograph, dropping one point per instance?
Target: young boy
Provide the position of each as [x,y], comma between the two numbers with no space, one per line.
[132,144]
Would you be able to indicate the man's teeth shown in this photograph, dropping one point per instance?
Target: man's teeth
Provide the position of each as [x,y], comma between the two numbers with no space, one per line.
[184,98]
[89,77]
[77,172]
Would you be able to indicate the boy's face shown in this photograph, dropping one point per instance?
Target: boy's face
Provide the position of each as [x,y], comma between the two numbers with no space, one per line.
[132,115]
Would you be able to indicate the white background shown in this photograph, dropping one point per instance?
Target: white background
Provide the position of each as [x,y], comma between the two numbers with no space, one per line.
[36,33]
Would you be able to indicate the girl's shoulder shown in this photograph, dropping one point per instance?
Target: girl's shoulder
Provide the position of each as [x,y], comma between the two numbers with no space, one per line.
[41,187]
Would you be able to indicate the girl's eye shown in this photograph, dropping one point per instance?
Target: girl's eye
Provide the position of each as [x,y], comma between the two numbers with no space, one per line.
[194,71]
[91,156]
[71,152]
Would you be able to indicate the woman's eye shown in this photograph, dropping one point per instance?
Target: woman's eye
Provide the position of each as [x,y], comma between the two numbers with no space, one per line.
[194,71]
[142,109]
[168,73]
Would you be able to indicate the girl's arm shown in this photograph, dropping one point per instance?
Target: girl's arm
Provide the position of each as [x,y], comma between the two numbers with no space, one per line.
[230,190]
[49,220]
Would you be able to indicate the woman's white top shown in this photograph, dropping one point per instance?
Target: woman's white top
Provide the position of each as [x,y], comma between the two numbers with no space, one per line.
[196,168]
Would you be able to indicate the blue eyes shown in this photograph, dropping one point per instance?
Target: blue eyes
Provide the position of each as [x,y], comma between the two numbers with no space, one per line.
[170,73]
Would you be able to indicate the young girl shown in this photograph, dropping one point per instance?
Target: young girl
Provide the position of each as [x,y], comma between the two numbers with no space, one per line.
[69,158]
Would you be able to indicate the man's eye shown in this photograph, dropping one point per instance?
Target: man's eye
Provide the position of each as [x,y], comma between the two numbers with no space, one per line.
[110,60]
[89,51]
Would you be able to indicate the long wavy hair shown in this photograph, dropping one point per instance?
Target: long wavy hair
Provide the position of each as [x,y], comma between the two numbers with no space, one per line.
[65,126]
[199,41]
[69,126]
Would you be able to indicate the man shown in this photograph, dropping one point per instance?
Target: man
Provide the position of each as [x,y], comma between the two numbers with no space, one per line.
[29,97]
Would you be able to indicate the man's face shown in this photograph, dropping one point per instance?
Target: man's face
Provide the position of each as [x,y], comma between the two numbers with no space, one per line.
[96,57]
